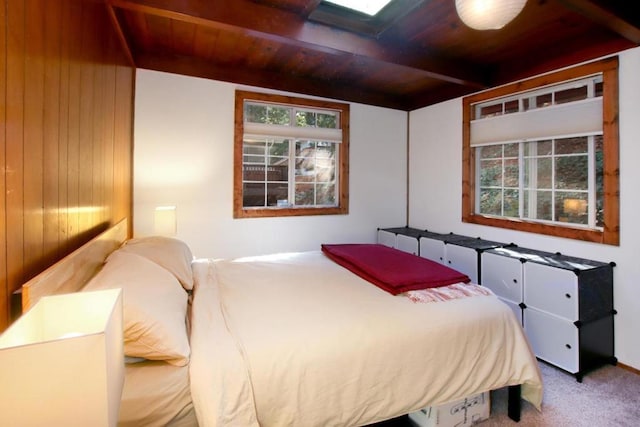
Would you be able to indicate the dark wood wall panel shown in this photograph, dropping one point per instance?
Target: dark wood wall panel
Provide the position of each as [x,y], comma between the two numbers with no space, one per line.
[3,134]
[14,141]
[65,134]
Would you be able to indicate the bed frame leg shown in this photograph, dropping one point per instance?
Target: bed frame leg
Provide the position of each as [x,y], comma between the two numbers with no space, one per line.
[514,402]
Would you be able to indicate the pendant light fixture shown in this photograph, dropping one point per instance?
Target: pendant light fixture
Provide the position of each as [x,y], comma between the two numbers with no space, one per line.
[488,14]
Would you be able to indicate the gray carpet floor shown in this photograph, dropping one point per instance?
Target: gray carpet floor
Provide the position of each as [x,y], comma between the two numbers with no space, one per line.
[607,397]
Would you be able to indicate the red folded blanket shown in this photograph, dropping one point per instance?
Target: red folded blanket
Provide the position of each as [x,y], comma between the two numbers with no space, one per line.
[393,270]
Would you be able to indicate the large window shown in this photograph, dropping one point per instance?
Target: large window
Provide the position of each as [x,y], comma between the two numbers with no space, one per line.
[291,156]
[542,155]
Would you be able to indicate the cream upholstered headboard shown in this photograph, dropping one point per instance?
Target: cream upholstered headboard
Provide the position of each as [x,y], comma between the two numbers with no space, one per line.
[72,272]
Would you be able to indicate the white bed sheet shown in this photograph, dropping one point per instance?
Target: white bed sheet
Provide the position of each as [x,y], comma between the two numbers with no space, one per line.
[297,340]
[156,393]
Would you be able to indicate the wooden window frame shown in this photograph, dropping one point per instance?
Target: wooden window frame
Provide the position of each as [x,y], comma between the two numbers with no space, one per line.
[610,233]
[239,211]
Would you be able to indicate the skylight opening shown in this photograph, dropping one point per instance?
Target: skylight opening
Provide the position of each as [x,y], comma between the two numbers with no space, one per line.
[368,7]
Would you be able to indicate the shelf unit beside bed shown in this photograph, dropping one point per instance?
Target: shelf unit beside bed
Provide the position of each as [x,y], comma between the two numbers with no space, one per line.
[565,304]
[457,251]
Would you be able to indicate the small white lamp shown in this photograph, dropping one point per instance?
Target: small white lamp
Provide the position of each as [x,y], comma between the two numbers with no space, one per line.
[62,362]
[165,221]
[488,14]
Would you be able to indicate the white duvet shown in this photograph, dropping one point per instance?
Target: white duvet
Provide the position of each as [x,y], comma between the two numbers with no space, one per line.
[297,340]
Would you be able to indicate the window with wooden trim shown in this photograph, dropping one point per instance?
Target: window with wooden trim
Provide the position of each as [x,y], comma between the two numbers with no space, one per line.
[291,156]
[541,155]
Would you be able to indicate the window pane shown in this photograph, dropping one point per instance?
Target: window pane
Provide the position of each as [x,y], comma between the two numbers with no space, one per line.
[491,173]
[305,194]
[325,171]
[253,160]
[599,181]
[537,205]
[253,173]
[278,172]
[572,145]
[305,161]
[571,94]
[255,113]
[537,173]
[511,171]
[278,161]
[253,195]
[326,150]
[305,148]
[305,118]
[326,194]
[315,161]
[277,194]
[305,169]
[490,111]
[511,106]
[278,115]
[490,151]
[544,100]
[278,148]
[491,202]
[325,162]
[538,148]
[572,173]
[511,203]
[253,147]
[512,150]
[572,207]
[268,114]
[328,120]
[317,119]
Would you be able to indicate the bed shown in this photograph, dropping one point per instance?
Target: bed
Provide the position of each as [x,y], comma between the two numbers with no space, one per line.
[295,339]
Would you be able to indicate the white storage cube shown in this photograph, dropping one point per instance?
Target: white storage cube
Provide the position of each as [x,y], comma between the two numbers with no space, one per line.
[463,259]
[551,289]
[407,244]
[503,275]
[432,249]
[553,339]
[387,238]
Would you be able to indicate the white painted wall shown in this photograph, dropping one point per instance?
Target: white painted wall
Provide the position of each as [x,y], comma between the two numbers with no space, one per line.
[183,156]
[435,192]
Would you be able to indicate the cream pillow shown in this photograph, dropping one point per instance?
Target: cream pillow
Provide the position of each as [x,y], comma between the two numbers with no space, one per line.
[169,253]
[155,307]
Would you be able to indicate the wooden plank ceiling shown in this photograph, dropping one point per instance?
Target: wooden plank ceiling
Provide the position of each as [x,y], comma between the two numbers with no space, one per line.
[423,56]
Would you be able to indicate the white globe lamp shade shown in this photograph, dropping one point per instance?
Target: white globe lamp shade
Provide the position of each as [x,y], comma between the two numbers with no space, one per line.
[488,14]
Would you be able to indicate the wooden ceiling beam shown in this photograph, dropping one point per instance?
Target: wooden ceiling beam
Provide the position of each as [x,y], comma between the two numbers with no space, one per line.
[606,18]
[335,89]
[121,36]
[279,25]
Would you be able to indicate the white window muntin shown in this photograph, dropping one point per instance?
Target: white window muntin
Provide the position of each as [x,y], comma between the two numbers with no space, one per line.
[589,81]
[591,178]
[293,110]
[291,162]
[269,132]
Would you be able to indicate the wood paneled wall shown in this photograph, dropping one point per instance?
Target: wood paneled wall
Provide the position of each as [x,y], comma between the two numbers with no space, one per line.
[66,87]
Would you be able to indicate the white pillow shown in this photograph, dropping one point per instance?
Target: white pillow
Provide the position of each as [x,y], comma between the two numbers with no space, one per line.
[155,307]
[169,253]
